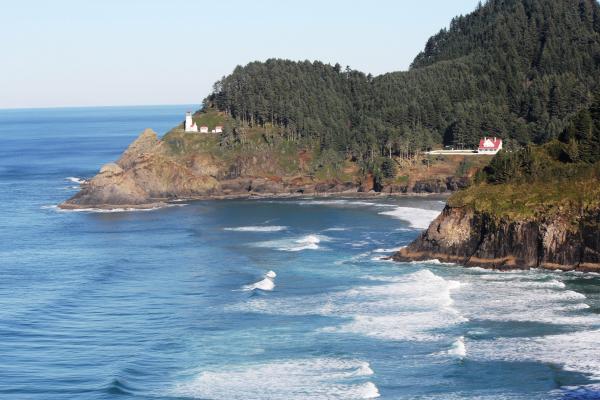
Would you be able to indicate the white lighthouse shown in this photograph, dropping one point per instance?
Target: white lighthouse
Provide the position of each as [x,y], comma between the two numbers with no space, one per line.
[190,125]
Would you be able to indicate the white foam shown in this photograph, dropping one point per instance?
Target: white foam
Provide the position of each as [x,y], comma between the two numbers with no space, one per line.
[308,242]
[434,261]
[392,250]
[526,296]
[273,228]
[313,378]
[418,218]
[578,351]
[343,203]
[408,307]
[335,229]
[458,348]
[271,274]
[267,284]
[382,259]
[107,210]
[74,179]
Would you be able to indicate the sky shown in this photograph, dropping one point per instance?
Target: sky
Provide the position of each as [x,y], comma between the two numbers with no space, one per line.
[147,52]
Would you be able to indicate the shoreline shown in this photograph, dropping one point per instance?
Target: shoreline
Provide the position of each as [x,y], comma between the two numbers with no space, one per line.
[159,203]
[500,265]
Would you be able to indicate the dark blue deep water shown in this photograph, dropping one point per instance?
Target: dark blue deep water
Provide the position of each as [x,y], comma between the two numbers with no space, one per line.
[180,302]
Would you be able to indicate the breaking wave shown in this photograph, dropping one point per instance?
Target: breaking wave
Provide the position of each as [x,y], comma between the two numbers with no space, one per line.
[418,218]
[578,351]
[342,203]
[322,378]
[74,179]
[409,307]
[458,348]
[54,207]
[267,283]
[274,228]
[532,297]
[308,242]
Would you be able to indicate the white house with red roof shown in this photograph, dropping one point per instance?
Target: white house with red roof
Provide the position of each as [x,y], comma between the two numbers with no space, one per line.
[489,145]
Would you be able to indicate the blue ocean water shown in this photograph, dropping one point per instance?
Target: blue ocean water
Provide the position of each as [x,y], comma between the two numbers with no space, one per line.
[269,299]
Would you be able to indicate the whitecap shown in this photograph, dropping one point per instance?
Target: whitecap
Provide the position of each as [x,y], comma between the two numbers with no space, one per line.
[75,179]
[418,218]
[273,228]
[392,250]
[108,210]
[329,378]
[343,203]
[577,351]
[307,242]
[458,348]
[382,259]
[412,306]
[266,284]
[533,298]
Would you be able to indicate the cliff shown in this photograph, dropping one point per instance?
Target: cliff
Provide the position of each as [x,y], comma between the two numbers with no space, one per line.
[144,176]
[518,69]
[153,171]
[468,237]
[532,208]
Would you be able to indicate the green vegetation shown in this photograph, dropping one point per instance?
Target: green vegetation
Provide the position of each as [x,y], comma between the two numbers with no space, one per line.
[517,69]
[523,70]
[562,176]
[209,118]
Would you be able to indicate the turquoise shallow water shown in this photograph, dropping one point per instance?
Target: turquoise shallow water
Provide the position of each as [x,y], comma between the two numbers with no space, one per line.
[168,303]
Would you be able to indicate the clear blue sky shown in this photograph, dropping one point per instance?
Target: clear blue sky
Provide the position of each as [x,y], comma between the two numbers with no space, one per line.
[125,52]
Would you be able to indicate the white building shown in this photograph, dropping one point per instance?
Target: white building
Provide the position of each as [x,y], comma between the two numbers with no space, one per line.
[218,129]
[190,125]
[204,129]
[489,146]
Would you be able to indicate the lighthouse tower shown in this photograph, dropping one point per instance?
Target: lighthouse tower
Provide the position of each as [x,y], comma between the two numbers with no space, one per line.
[190,125]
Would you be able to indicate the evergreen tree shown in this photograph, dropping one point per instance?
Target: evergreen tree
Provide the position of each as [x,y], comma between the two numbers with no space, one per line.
[516,69]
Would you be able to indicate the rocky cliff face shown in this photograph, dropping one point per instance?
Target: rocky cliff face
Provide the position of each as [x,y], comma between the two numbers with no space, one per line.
[463,236]
[150,173]
[144,176]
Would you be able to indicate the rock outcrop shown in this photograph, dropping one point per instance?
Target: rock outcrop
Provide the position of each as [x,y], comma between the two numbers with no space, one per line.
[152,172]
[464,236]
[144,176]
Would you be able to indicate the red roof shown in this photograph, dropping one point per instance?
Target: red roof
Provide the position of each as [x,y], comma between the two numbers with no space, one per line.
[490,143]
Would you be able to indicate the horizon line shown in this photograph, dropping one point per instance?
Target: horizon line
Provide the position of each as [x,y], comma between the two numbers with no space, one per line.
[98,106]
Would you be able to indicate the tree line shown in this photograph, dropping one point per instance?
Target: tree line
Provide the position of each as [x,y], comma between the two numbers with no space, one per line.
[576,149]
[517,69]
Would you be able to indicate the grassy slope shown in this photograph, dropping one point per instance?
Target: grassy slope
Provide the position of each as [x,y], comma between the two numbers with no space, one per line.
[264,151]
[535,199]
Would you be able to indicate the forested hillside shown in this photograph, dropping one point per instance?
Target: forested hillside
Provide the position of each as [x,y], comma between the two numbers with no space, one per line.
[559,175]
[518,69]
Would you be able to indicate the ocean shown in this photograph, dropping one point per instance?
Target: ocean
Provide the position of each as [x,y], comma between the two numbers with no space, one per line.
[257,299]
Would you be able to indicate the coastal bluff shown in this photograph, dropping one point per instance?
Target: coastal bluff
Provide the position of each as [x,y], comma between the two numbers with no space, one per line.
[474,238]
[186,166]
